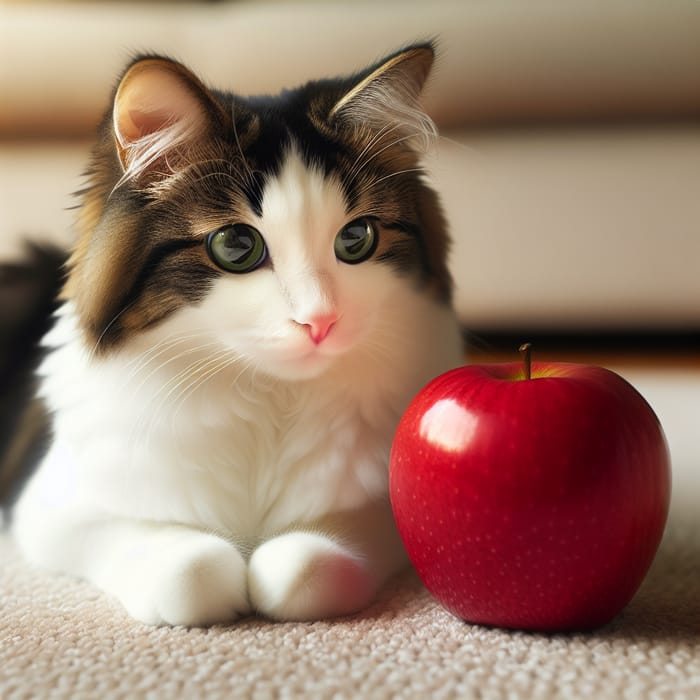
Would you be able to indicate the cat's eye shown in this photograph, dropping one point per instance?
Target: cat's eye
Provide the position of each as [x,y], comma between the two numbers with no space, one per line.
[237,248]
[356,241]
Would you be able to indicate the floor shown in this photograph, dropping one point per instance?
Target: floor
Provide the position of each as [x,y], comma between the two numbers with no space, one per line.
[61,639]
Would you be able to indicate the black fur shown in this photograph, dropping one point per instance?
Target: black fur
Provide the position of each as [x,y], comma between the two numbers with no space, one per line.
[28,292]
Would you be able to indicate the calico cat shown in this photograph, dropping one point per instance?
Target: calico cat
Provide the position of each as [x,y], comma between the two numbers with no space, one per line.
[258,288]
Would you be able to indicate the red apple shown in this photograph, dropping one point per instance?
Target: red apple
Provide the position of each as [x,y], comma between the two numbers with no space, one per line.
[531,503]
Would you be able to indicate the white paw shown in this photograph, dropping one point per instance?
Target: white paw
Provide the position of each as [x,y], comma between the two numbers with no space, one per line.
[305,576]
[194,580]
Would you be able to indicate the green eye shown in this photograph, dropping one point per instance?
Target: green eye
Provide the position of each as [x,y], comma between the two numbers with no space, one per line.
[356,242]
[237,248]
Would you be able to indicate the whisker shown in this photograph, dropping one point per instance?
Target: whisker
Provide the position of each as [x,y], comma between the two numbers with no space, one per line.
[216,366]
[216,174]
[154,407]
[375,154]
[376,181]
[246,365]
[169,360]
[93,351]
[359,165]
[163,343]
[470,147]
[251,175]
[178,379]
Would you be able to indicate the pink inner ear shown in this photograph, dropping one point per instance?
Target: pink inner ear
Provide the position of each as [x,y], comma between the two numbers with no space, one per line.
[151,98]
[144,123]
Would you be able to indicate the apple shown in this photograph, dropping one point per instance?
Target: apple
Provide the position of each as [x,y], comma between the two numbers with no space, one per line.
[530,496]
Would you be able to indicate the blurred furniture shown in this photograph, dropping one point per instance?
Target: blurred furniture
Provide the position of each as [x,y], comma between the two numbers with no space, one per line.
[570,158]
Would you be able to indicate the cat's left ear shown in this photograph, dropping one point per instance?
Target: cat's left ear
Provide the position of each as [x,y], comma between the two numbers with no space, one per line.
[159,108]
[387,95]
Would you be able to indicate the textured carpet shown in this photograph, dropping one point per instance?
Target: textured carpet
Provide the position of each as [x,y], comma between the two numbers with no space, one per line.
[60,638]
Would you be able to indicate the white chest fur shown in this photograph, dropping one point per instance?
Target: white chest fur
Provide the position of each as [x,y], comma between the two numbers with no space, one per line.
[171,435]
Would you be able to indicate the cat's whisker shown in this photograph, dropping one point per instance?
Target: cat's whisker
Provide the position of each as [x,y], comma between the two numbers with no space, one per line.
[154,408]
[377,349]
[166,391]
[385,143]
[358,164]
[373,180]
[389,333]
[369,154]
[215,367]
[93,351]
[161,345]
[359,173]
[386,147]
[160,366]
[373,183]
[246,365]
[236,136]
[216,174]
[164,343]
[193,350]
[150,363]
[471,148]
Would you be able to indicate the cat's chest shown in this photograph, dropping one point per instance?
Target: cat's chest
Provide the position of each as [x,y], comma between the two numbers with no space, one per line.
[229,451]
[252,459]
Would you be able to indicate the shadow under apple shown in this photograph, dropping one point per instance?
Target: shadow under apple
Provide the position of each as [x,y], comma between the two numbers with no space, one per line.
[667,605]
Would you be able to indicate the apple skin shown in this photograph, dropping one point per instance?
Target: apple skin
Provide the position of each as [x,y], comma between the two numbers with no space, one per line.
[533,504]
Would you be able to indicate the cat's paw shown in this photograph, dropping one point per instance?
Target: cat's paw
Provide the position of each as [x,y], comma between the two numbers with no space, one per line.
[194,580]
[306,576]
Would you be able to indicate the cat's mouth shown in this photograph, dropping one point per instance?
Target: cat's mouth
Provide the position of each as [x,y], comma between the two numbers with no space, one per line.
[306,358]
[313,354]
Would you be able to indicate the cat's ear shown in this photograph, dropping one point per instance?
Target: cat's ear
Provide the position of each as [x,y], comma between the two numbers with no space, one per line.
[387,95]
[159,107]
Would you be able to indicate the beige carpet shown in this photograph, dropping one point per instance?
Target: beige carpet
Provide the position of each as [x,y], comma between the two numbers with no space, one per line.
[60,638]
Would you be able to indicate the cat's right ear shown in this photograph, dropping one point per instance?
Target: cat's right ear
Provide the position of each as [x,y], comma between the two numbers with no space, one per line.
[386,96]
[159,108]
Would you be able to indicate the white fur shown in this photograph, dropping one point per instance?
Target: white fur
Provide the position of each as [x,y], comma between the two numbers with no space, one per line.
[222,457]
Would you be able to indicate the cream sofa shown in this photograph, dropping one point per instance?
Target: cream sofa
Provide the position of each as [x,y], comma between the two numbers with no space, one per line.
[570,159]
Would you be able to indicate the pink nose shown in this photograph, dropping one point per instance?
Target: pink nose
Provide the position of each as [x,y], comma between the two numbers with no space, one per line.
[320,326]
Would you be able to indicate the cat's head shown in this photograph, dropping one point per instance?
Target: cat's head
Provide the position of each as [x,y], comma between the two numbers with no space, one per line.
[281,228]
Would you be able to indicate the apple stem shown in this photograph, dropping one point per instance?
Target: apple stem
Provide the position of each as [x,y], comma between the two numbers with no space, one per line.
[526,351]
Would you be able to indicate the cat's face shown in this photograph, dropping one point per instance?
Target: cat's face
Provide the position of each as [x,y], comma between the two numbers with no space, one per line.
[296,284]
[284,230]
[315,295]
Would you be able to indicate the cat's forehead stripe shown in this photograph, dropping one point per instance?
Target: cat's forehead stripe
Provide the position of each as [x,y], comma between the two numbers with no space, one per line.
[301,197]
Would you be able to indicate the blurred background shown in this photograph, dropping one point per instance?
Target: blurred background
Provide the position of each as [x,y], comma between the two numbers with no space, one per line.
[569,163]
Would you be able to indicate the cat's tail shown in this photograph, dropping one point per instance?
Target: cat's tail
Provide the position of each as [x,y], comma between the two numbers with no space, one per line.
[28,292]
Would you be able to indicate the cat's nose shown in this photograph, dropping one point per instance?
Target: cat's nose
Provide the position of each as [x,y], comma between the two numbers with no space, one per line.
[320,326]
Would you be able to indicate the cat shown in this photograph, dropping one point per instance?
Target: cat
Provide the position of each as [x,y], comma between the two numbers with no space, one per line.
[258,288]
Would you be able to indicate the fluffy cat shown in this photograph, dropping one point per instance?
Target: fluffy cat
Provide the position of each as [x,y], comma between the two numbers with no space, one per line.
[258,288]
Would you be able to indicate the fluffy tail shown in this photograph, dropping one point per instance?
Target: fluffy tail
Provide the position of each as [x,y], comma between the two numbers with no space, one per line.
[28,292]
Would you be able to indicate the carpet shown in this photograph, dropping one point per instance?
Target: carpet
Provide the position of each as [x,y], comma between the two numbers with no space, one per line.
[60,638]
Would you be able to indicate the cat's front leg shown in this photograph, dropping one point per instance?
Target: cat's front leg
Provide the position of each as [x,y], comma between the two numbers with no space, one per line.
[332,567]
[175,576]
[162,574]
